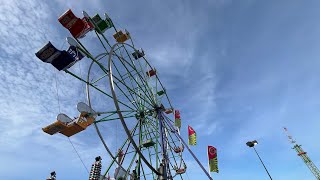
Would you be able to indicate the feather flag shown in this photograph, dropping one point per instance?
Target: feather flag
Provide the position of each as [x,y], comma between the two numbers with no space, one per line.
[213,160]
[192,140]
[177,118]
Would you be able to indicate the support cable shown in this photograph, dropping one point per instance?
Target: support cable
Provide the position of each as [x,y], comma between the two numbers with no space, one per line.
[58,98]
[78,155]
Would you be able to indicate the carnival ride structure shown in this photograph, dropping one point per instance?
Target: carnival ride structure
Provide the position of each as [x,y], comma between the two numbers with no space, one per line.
[120,74]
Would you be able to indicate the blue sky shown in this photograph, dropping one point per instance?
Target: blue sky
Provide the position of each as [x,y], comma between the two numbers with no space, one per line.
[237,70]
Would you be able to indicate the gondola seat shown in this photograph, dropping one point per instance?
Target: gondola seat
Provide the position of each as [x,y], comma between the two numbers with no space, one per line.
[121,37]
[138,54]
[77,27]
[101,25]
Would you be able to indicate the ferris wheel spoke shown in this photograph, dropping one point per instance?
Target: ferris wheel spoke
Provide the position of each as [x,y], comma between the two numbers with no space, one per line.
[133,99]
[114,112]
[118,49]
[173,142]
[96,81]
[150,159]
[103,36]
[112,119]
[156,153]
[131,91]
[173,156]
[131,163]
[95,87]
[169,134]
[127,141]
[101,56]
[125,94]
[133,158]
[109,115]
[102,41]
[153,126]
[168,119]
[127,75]
[145,134]
[135,81]
[106,147]
[172,153]
[128,55]
[133,67]
[128,115]
[156,136]
[122,103]
[144,175]
[145,77]
[175,132]
[141,79]
[157,80]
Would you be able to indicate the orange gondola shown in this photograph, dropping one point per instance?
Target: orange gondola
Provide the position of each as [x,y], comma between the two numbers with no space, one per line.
[121,37]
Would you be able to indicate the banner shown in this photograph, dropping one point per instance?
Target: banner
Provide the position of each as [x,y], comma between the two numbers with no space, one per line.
[192,140]
[177,118]
[213,160]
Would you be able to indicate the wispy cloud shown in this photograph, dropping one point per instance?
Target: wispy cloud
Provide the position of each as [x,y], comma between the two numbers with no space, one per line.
[238,71]
[28,91]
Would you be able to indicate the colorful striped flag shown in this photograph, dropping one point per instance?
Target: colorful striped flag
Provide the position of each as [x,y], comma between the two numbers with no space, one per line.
[177,118]
[213,160]
[192,140]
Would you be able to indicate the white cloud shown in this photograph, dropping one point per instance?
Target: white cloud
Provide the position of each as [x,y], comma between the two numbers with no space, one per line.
[28,91]
[28,94]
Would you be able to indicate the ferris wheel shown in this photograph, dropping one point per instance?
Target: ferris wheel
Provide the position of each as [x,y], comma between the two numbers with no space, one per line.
[122,88]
